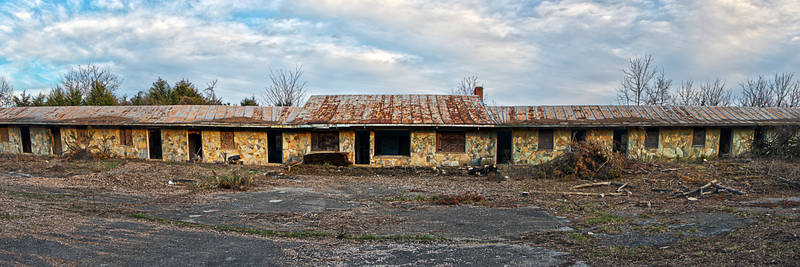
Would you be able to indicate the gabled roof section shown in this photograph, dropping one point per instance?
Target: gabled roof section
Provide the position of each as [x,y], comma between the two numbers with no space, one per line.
[411,110]
[177,115]
[562,116]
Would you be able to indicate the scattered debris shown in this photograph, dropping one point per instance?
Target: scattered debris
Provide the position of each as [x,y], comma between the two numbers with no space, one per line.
[329,158]
[482,171]
[581,193]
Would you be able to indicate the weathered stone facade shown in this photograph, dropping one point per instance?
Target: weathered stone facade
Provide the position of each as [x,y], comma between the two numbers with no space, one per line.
[675,143]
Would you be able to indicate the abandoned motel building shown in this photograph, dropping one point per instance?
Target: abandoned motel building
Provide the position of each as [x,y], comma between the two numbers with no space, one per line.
[388,130]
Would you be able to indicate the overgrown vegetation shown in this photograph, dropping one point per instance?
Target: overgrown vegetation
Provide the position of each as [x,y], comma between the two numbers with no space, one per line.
[583,160]
[781,142]
[240,180]
[464,198]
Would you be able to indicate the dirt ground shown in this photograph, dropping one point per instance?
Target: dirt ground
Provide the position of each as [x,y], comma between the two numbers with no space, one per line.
[55,211]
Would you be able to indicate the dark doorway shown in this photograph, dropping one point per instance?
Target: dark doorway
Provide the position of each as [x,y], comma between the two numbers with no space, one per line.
[26,139]
[393,143]
[195,146]
[56,134]
[362,147]
[274,147]
[504,147]
[725,142]
[154,139]
[621,141]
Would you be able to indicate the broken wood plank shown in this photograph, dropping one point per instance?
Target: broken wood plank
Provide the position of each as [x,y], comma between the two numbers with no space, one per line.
[621,187]
[698,190]
[591,185]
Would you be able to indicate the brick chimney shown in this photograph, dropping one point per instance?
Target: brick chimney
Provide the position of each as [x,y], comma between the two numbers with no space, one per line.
[479,92]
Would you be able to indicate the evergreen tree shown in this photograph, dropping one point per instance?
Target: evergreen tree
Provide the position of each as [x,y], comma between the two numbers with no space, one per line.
[185,93]
[159,94]
[100,96]
[249,101]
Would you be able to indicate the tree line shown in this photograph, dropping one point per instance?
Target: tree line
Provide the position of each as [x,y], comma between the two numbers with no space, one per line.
[92,85]
[643,83]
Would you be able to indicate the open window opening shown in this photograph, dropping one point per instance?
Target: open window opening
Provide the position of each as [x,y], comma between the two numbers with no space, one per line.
[25,132]
[725,139]
[195,145]
[545,139]
[620,141]
[579,135]
[275,147]
[362,147]
[504,147]
[154,140]
[325,141]
[396,143]
[453,142]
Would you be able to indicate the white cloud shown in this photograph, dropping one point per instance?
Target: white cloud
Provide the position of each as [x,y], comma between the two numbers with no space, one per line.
[553,52]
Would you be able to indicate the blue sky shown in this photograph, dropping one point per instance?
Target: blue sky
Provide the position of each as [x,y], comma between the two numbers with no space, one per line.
[524,52]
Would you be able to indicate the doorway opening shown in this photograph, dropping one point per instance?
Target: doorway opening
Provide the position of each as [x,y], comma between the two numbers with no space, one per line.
[154,139]
[362,147]
[195,146]
[620,141]
[504,147]
[55,133]
[274,147]
[26,139]
[725,139]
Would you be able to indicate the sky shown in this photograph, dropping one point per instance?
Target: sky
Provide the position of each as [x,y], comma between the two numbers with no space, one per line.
[523,52]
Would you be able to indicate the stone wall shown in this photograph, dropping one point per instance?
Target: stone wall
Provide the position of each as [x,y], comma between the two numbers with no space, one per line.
[347,141]
[295,145]
[107,140]
[526,146]
[250,145]
[14,144]
[175,144]
[41,141]
[742,141]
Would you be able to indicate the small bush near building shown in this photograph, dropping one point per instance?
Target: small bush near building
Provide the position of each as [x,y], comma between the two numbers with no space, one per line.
[237,180]
[465,198]
[584,160]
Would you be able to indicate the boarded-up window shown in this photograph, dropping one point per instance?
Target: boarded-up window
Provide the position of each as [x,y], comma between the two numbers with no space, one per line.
[546,139]
[699,138]
[393,143]
[126,137]
[450,142]
[651,138]
[4,134]
[325,141]
[83,136]
[226,139]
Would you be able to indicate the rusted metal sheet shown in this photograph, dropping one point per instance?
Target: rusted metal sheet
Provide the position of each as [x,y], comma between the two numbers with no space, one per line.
[620,116]
[455,110]
[183,115]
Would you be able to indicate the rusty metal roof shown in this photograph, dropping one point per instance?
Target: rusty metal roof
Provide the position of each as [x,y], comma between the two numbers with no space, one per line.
[412,110]
[564,116]
[399,110]
[177,115]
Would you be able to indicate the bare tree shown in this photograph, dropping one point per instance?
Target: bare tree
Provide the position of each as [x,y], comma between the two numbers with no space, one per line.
[659,92]
[755,93]
[636,80]
[685,95]
[210,94]
[6,93]
[286,88]
[782,91]
[466,86]
[714,94]
[83,77]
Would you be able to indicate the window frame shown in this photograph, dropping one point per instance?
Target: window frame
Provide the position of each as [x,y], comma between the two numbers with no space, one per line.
[404,134]
[648,141]
[460,137]
[695,136]
[316,146]
[126,136]
[4,134]
[227,144]
[550,144]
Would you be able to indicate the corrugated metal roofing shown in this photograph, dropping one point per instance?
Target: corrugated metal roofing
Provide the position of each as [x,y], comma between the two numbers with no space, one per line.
[177,115]
[400,110]
[554,116]
[455,110]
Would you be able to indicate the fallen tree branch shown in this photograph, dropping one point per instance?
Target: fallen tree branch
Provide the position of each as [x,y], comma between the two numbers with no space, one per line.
[698,190]
[729,189]
[591,185]
[580,193]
